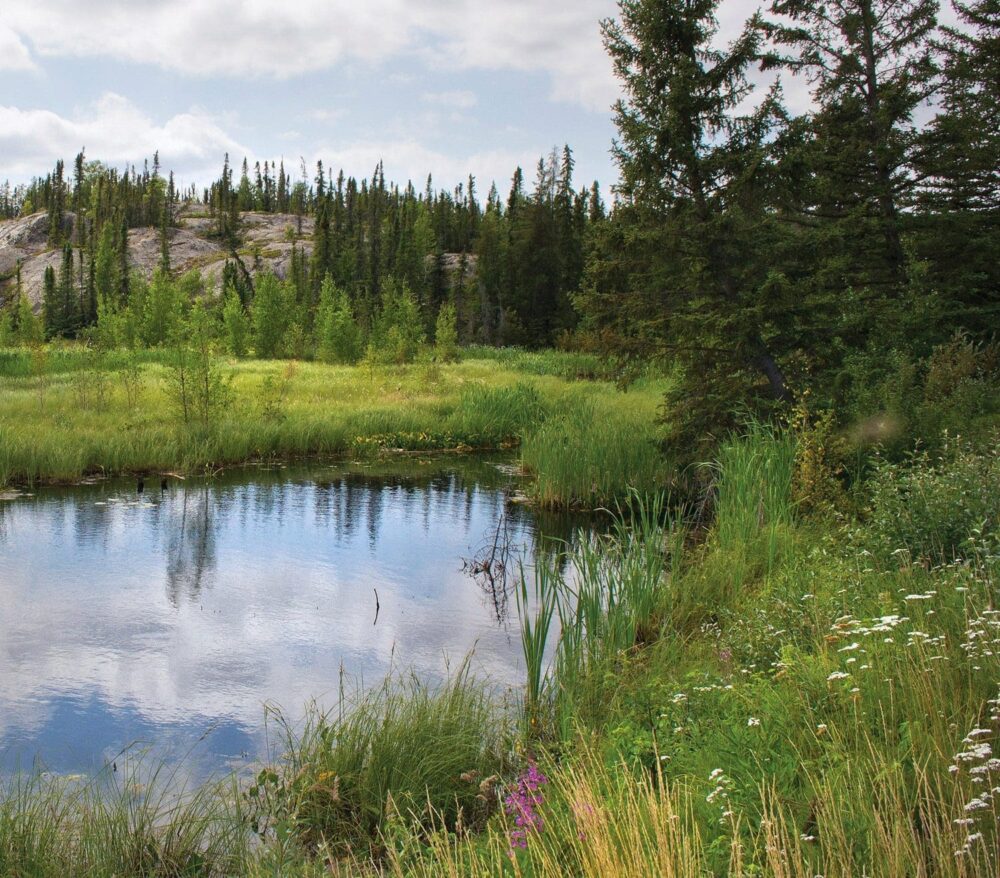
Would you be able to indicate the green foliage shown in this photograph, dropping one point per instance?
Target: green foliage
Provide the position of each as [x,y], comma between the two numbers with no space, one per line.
[936,509]
[29,328]
[6,328]
[397,333]
[112,324]
[197,387]
[754,485]
[269,316]
[236,324]
[404,750]
[162,311]
[891,400]
[338,337]
[446,334]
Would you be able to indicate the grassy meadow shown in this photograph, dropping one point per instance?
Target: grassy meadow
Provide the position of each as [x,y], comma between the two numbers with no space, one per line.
[68,413]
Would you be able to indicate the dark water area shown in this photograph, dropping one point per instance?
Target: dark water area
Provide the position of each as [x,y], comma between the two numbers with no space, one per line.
[167,620]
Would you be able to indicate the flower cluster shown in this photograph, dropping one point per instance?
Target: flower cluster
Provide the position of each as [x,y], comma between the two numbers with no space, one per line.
[984,771]
[523,803]
[720,795]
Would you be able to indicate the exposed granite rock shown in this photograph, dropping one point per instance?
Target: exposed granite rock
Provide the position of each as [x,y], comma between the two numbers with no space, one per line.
[268,241]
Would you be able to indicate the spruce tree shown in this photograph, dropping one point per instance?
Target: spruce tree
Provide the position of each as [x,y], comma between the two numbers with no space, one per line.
[51,304]
[679,272]
[871,65]
[959,166]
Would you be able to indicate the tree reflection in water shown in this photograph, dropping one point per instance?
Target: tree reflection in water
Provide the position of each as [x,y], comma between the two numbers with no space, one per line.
[190,543]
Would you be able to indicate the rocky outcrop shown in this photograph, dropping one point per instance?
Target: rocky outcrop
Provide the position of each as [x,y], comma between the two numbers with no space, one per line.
[23,239]
[267,244]
[268,240]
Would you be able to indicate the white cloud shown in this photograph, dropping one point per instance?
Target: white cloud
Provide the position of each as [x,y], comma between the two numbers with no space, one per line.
[14,55]
[327,115]
[243,38]
[116,131]
[562,39]
[408,159]
[454,100]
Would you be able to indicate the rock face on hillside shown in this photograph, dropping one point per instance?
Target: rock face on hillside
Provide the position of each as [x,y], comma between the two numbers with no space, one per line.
[268,240]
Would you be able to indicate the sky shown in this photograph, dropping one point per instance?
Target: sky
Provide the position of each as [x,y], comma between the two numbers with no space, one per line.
[447,87]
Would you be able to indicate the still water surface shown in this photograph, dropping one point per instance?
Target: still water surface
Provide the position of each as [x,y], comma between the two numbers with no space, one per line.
[169,619]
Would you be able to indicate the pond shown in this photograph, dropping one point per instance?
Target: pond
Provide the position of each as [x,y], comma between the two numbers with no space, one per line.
[168,619]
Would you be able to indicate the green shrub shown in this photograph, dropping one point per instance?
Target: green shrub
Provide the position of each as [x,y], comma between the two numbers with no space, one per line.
[446,334]
[237,325]
[398,331]
[269,316]
[936,509]
[890,399]
[338,338]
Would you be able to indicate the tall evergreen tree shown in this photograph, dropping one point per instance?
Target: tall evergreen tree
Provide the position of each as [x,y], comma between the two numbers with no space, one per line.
[51,306]
[871,65]
[959,166]
[679,271]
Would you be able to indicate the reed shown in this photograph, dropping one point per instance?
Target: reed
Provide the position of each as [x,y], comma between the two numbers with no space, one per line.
[130,822]
[586,456]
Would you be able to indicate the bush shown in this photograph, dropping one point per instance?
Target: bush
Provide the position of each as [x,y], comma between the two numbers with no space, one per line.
[269,316]
[936,509]
[237,325]
[338,338]
[446,334]
[891,400]
[398,331]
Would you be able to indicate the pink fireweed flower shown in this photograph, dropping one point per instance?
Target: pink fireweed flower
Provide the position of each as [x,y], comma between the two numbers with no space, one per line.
[522,803]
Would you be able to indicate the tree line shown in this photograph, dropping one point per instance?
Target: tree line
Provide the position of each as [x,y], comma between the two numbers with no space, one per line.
[506,266]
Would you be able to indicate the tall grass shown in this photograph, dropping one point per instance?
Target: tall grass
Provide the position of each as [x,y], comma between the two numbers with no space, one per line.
[136,825]
[754,513]
[403,749]
[604,592]
[754,480]
[606,821]
[536,624]
[498,415]
[586,456]
[561,364]
[65,413]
